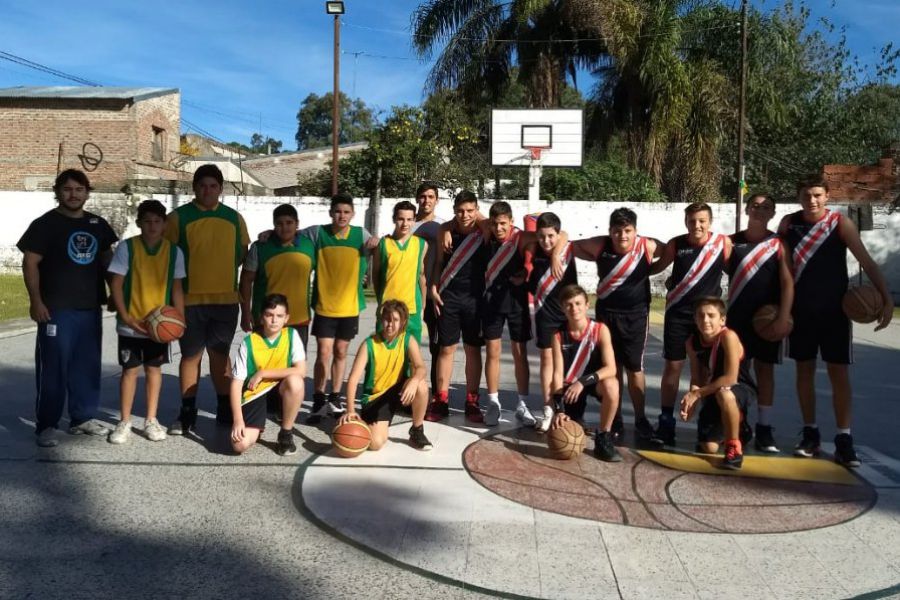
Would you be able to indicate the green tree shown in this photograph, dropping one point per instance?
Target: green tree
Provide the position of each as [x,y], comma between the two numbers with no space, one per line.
[260,144]
[315,122]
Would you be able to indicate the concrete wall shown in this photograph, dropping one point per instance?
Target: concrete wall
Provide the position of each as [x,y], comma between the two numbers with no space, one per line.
[580,219]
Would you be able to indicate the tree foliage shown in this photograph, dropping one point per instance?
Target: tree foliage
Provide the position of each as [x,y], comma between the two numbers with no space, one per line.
[315,121]
[260,144]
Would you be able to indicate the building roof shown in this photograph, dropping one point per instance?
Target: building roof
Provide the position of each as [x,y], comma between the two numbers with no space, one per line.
[279,171]
[86,92]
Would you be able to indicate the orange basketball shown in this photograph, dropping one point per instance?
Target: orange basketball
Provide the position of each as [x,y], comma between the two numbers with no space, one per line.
[862,304]
[763,320]
[351,439]
[164,324]
[567,441]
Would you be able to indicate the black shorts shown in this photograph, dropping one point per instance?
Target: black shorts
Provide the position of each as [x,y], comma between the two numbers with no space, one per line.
[384,407]
[303,332]
[134,352]
[340,328]
[546,326]
[628,331]
[254,412]
[754,346]
[210,326]
[576,410]
[678,327]
[517,320]
[459,315]
[709,421]
[829,332]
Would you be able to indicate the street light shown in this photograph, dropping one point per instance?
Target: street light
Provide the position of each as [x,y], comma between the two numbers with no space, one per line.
[335,8]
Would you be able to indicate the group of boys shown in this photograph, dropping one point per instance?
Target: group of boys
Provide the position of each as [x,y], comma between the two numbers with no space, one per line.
[465,279]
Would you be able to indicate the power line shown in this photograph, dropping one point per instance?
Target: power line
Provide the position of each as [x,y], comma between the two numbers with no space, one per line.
[44,68]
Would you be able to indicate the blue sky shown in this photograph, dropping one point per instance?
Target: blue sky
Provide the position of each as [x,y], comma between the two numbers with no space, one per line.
[238,64]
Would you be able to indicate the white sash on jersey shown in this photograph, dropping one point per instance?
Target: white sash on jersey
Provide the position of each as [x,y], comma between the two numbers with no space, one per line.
[583,355]
[548,282]
[751,265]
[501,258]
[812,241]
[623,269]
[711,251]
[462,255]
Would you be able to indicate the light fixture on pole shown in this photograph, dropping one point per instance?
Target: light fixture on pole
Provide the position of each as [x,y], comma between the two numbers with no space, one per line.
[335,8]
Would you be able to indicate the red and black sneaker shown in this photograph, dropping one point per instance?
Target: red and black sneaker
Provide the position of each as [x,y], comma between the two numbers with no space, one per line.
[734,456]
[473,411]
[438,408]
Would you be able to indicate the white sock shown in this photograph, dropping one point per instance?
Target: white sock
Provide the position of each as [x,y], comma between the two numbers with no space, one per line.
[523,400]
[813,425]
[762,414]
[494,397]
[843,430]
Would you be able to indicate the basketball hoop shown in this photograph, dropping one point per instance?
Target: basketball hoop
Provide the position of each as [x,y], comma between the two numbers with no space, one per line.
[535,153]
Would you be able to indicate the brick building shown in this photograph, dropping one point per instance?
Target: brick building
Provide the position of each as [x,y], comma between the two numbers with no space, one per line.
[865,184]
[118,135]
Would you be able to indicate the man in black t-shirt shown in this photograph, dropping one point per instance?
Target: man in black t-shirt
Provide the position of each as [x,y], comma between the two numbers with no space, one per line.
[66,252]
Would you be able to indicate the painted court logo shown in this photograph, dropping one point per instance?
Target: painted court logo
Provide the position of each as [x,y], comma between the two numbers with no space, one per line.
[82,247]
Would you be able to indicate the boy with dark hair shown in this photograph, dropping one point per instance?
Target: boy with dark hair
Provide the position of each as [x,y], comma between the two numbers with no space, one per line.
[66,251]
[394,378]
[145,273]
[398,267]
[759,274]
[818,239]
[549,317]
[427,226]
[623,260]
[214,239]
[699,258]
[283,264]
[583,365]
[269,361]
[721,384]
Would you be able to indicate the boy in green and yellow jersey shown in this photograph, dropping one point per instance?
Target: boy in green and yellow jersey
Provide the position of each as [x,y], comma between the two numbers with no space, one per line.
[394,377]
[398,267]
[341,250]
[145,273]
[270,362]
[214,240]
[283,264]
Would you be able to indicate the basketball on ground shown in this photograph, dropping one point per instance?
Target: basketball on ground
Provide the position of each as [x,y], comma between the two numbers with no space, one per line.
[351,439]
[763,321]
[164,324]
[862,304]
[566,441]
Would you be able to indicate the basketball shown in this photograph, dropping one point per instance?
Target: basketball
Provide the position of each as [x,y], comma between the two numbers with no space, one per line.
[566,442]
[862,304]
[763,320]
[164,324]
[351,439]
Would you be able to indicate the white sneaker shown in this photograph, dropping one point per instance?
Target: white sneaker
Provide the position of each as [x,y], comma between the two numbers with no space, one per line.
[524,416]
[88,428]
[121,434]
[543,424]
[154,431]
[48,438]
[492,413]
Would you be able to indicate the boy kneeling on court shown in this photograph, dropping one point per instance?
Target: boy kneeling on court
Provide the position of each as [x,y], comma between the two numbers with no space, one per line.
[394,377]
[721,384]
[271,360]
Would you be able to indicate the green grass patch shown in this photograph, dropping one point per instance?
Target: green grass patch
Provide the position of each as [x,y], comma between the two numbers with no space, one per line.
[13,297]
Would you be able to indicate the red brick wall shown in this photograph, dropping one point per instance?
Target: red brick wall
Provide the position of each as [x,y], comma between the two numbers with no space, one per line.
[863,183]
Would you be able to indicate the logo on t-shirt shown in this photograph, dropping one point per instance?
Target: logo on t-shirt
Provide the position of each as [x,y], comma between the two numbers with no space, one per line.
[82,247]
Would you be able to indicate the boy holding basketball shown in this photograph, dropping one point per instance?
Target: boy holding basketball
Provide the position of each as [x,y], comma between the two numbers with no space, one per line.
[394,376]
[271,360]
[145,273]
[721,386]
[818,239]
[583,365]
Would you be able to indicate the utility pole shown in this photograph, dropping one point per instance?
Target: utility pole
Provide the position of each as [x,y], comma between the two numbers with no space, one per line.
[335,111]
[742,121]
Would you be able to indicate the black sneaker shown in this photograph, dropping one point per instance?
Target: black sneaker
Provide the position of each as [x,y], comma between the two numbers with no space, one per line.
[665,432]
[187,418]
[285,445]
[844,454]
[618,428]
[809,443]
[765,439]
[604,448]
[318,409]
[734,458]
[643,430]
[417,438]
[745,432]
[334,404]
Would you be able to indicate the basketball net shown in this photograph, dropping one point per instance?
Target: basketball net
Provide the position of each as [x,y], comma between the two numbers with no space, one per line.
[536,154]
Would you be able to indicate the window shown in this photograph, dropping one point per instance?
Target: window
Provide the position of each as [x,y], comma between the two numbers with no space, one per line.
[158,149]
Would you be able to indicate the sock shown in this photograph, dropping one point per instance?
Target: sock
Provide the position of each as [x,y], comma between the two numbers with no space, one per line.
[494,397]
[667,411]
[285,432]
[442,396]
[523,399]
[843,430]
[736,444]
[762,414]
[813,425]
[472,397]
[189,402]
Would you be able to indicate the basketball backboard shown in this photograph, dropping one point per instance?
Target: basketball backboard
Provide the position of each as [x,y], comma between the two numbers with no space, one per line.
[558,132]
